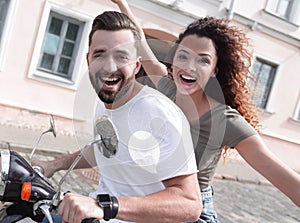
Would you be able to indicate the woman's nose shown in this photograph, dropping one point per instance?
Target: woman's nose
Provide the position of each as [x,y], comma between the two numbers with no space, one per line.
[190,66]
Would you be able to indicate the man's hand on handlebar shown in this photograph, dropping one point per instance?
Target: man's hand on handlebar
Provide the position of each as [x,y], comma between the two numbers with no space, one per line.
[75,208]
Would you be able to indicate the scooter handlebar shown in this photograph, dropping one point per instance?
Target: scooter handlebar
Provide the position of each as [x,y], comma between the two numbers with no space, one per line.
[90,220]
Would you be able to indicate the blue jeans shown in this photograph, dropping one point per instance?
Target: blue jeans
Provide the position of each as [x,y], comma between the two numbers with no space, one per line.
[208,214]
[55,218]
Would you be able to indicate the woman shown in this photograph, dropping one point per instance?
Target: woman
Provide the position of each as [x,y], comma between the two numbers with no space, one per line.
[209,68]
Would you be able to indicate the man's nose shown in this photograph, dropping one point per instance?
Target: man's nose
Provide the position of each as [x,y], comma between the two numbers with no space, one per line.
[110,65]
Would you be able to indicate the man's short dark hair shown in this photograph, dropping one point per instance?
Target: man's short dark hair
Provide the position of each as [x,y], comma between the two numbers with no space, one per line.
[114,21]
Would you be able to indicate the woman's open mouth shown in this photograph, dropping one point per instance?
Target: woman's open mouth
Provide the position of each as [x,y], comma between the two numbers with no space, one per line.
[187,79]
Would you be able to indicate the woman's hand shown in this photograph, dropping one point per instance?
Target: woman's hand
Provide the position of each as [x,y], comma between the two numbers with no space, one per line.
[46,167]
[118,2]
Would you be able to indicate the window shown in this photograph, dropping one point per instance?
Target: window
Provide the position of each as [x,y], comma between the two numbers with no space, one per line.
[282,8]
[3,12]
[60,46]
[6,12]
[261,81]
[296,115]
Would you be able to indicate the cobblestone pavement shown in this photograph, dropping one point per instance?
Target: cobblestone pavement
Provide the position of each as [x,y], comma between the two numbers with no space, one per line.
[235,202]
[252,203]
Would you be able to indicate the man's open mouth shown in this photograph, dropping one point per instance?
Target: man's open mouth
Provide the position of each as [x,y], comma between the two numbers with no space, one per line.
[110,81]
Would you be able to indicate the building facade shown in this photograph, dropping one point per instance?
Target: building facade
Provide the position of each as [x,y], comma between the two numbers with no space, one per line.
[43,44]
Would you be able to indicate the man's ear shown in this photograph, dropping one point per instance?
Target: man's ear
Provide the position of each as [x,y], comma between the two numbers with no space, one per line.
[138,65]
[87,58]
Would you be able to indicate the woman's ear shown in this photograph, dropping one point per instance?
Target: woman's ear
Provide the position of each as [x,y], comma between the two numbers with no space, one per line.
[170,71]
[216,72]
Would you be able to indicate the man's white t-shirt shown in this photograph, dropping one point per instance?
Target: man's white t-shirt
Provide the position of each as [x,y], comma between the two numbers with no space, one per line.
[154,145]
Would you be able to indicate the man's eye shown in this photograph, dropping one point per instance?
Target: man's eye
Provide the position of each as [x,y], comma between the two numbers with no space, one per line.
[99,55]
[121,58]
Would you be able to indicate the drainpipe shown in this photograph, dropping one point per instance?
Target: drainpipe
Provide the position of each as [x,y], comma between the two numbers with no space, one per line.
[176,4]
[231,10]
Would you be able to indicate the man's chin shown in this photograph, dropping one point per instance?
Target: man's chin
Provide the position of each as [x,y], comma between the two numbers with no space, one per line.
[108,99]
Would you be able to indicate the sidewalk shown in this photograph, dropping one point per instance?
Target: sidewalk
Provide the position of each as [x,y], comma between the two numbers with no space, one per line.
[241,194]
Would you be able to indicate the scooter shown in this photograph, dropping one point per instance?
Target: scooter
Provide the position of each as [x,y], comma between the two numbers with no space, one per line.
[30,192]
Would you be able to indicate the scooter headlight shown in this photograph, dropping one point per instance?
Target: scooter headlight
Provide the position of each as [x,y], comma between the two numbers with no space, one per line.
[4,165]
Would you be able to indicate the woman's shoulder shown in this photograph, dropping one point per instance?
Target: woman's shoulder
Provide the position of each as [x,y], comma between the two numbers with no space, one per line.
[223,112]
[226,111]
[167,86]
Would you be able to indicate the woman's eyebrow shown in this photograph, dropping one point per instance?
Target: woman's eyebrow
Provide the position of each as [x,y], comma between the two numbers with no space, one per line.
[204,54]
[199,54]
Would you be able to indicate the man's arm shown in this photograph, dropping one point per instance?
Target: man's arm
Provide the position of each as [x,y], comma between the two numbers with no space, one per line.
[179,202]
[64,162]
[152,66]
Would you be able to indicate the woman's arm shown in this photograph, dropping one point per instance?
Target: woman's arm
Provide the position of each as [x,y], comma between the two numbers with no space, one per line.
[152,66]
[258,155]
[64,162]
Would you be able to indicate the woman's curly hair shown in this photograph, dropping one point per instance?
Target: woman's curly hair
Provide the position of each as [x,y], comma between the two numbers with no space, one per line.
[234,60]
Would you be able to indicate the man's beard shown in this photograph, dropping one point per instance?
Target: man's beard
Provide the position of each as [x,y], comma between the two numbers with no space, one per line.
[106,97]
[109,97]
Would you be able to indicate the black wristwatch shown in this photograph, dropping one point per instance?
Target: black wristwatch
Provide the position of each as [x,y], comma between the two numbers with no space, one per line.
[109,204]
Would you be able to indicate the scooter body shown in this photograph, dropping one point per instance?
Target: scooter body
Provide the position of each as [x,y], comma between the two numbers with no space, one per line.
[30,192]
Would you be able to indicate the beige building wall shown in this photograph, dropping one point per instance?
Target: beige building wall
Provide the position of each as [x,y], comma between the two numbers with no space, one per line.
[26,100]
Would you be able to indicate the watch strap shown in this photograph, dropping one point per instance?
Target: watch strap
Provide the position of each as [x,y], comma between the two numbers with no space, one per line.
[114,207]
[109,204]
[106,213]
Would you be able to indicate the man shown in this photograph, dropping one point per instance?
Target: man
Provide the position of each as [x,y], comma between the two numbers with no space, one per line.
[152,175]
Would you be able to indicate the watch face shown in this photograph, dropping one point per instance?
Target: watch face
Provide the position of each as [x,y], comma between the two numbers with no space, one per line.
[104,198]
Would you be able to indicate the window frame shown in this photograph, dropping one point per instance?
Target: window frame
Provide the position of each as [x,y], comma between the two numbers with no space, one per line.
[7,31]
[292,12]
[296,115]
[60,47]
[45,76]
[268,108]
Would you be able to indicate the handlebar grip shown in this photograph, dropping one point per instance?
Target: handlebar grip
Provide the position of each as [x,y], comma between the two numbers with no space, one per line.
[90,220]
[38,169]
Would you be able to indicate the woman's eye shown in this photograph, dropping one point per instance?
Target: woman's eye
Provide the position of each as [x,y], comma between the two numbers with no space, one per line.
[203,61]
[182,57]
